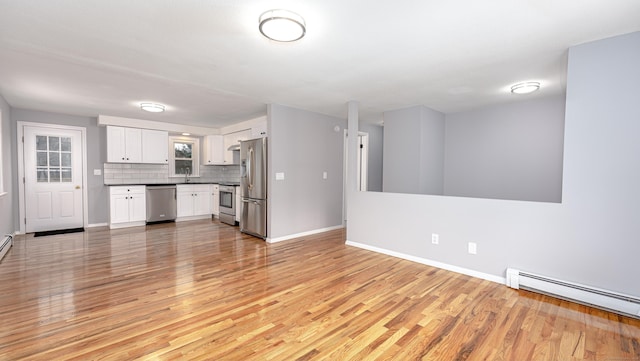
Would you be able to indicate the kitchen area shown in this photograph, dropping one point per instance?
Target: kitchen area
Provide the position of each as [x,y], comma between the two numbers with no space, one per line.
[156,175]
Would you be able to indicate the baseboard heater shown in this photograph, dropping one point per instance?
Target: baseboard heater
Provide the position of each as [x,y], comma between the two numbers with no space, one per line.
[607,300]
[6,243]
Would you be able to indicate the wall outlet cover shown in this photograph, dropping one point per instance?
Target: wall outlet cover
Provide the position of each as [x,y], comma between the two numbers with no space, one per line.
[280,176]
[97,172]
[435,238]
[473,248]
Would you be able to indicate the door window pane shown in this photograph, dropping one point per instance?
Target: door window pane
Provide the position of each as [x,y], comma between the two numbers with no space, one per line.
[54,143]
[42,175]
[42,160]
[54,159]
[41,142]
[54,176]
[65,144]
[65,159]
[66,174]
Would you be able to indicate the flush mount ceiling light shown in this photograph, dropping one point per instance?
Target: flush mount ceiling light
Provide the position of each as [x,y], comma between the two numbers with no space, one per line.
[525,88]
[152,107]
[282,25]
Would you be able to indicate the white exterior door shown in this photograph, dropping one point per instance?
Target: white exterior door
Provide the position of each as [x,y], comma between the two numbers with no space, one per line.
[53,175]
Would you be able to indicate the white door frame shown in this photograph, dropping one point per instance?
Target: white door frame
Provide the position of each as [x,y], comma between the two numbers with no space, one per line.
[21,192]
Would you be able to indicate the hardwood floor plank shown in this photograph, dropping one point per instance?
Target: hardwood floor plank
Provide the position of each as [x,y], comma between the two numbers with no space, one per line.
[202,290]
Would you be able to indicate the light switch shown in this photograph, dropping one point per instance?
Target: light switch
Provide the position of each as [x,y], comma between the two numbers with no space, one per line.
[324,175]
[280,176]
[97,172]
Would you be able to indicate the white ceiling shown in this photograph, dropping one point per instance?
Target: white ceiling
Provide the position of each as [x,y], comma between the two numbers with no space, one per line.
[207,61]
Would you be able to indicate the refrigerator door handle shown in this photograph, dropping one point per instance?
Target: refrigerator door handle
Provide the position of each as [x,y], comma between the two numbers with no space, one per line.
[249,170]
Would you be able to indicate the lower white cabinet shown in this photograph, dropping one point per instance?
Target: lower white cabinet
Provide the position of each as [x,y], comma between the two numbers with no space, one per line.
[193,201]
[127,206]
[215,199]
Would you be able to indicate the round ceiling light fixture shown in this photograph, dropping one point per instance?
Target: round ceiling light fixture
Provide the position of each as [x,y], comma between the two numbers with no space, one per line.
[525,88]
[152,107]
[282,25]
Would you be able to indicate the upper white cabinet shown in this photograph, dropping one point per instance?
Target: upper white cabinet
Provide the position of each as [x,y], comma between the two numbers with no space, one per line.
[134,145]
[259,130]
[213,150]
[233,140]
[155,146]
[124,145]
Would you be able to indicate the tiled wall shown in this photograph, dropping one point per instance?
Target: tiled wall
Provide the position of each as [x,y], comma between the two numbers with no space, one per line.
[117,173]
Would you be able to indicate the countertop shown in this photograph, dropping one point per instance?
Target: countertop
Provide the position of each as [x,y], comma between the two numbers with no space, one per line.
[172,184]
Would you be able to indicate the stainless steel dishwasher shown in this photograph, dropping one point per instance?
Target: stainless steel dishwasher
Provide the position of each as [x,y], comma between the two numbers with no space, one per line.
[161,203]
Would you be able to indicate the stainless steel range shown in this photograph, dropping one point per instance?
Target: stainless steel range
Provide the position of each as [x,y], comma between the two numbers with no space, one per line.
[228,204]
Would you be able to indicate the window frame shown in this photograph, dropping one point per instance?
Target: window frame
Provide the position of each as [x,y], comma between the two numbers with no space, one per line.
[195,155]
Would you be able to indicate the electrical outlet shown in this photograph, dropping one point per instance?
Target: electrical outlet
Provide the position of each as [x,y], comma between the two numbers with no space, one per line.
[435,238]
[473,248]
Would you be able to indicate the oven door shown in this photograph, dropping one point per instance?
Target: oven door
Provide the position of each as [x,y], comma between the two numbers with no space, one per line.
[227,201]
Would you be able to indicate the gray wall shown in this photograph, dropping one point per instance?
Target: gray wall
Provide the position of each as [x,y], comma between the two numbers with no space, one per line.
[414,151]
[376,139]
[7,205]
[96,155]
[302,145]
[511,151]
[589,238]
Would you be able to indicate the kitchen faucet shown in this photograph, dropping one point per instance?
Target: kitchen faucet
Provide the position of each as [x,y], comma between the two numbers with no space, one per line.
[186,174]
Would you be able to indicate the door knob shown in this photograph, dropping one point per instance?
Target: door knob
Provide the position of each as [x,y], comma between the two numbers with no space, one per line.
[77,187]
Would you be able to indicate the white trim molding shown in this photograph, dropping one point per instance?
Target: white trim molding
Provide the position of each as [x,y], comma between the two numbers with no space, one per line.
[428,262]
[303,234]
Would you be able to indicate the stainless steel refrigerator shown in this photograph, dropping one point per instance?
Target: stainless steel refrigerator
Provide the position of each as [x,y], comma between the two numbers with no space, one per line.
[253,187]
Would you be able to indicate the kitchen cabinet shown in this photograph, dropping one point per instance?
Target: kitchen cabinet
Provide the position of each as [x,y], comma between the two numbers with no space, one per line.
[213,150]
[127,206]
[134,145]
[215,199]
[124,145]
[155,146]
[259,130]
[193,201]
[233,139]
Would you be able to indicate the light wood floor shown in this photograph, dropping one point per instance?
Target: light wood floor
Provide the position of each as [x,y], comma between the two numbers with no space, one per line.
[202,290]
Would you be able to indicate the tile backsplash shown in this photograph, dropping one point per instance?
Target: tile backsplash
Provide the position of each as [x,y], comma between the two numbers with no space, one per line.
[118,173]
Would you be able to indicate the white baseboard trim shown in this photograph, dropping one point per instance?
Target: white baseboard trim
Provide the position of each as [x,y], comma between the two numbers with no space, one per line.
[303,234]
[428,262]
[127,224]
[193,218]
[94,225]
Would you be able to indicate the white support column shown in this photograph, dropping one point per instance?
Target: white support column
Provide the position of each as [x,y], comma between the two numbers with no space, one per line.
[352,153]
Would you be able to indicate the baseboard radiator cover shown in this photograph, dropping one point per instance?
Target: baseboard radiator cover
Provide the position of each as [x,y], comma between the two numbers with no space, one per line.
[5,244]
[603,299]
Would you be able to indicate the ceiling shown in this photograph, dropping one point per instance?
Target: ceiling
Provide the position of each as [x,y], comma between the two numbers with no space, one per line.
[208,63]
